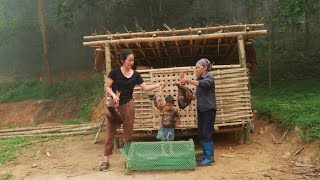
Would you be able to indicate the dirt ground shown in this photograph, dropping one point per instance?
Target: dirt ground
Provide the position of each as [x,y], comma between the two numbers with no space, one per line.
[75,158]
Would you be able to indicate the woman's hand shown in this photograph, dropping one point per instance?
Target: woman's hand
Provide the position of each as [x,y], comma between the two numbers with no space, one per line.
[183,80]
[115,98]
[161,85]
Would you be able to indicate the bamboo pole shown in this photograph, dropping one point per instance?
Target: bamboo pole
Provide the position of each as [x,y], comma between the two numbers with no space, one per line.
[188,68]
[44,127]
[157,33]
[242,52]
[190,46]
[53,130]
[108,69]
[228,48]
[108,57]
[177,38]
[48,135]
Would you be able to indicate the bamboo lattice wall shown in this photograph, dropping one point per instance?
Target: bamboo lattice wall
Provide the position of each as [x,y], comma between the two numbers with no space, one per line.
[231,89]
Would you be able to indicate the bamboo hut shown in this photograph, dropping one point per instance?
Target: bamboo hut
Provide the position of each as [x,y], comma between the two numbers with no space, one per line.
[172,52]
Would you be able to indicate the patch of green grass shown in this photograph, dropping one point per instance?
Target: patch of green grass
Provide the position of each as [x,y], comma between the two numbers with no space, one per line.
[16,91]
[10,147]
[291,103]
[73,121]
[6,176]
[22,90]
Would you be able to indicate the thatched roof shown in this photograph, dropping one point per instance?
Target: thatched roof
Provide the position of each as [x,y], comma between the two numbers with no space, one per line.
[184,47]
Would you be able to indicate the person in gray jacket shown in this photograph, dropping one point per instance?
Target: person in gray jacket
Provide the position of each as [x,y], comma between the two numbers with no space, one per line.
[206,106]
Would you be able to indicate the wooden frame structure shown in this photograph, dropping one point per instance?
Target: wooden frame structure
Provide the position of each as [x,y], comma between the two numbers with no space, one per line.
[171,52]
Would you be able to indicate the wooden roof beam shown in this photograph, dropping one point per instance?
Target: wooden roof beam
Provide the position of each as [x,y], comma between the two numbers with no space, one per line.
[204,44]
[96,37]
[163,47]
[153,51]
[178,48]
[142,52]
[178,57]
[178,38]
[127,46]
[191,42]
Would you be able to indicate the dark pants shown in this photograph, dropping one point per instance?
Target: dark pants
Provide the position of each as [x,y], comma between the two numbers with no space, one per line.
[206,121]
[128,112]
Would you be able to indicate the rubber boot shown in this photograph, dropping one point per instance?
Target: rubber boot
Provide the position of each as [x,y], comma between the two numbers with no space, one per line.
[208,154]
[201,157]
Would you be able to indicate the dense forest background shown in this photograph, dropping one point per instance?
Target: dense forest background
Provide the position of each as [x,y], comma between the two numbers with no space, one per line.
[292,26]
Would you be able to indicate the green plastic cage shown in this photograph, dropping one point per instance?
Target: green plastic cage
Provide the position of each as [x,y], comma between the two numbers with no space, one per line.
[164,155]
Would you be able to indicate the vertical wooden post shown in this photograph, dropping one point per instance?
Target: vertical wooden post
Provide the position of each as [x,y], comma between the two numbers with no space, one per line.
[107,52]
[108,69]
[108,57]
[246,133]
[240,136]
[242,52]
[115,143]
[242,61]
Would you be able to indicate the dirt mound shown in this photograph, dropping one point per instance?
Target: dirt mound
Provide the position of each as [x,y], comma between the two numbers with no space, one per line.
[97,114]
[19,113]
[33,112]
[57,110]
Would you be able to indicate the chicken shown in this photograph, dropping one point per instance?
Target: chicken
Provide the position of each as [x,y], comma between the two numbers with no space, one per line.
[185,96]
[158,100]
[114,114]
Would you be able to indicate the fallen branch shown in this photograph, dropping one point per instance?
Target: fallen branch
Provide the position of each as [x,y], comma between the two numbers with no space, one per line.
[228,156]
[257,143]
[304,165]
[316,159]
[273,138]
[281,170]
[298,151]
[267,175]
[284,135]
[99,130]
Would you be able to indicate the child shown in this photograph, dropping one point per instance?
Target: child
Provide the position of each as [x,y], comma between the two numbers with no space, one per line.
[169,119]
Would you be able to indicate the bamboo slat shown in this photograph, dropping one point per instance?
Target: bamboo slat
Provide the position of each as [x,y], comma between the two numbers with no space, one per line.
[228,76]
[235,85]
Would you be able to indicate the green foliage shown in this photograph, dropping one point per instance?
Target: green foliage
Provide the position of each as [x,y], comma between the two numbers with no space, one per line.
[10,147]
[17,91]
[22,90]
[292,12]
[291,103]
[12,21]
[6,176]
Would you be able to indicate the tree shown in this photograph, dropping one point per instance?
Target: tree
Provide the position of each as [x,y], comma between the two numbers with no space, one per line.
[43,30]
